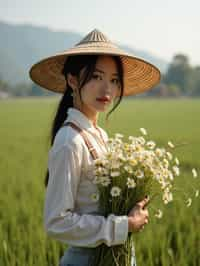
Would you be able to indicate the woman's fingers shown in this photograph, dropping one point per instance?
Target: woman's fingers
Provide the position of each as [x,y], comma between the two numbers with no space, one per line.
[141,228]
[146,213]
[143,203]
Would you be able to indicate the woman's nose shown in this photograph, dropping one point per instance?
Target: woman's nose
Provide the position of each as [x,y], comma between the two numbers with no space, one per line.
[107,86]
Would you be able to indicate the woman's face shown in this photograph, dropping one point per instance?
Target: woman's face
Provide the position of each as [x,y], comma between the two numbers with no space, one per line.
[99,92]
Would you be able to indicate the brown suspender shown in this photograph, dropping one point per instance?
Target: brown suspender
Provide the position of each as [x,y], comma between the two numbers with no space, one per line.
[102,140]
[84,135]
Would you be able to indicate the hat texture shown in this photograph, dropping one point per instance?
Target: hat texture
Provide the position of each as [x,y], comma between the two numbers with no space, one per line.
[139,75]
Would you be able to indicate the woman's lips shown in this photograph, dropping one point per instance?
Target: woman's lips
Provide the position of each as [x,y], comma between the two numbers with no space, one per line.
[103,99]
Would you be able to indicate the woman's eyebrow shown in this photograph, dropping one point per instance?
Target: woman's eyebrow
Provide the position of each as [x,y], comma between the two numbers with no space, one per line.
[101,71]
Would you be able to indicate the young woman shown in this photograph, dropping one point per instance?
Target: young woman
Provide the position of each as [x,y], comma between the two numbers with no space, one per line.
[92,76]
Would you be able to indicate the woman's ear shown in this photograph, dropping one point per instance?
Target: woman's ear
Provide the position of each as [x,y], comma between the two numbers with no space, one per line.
[72,81]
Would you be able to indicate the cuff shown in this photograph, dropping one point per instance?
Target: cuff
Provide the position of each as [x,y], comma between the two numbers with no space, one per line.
[120,229]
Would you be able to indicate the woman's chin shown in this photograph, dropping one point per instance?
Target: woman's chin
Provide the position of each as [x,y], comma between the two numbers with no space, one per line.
[102,107]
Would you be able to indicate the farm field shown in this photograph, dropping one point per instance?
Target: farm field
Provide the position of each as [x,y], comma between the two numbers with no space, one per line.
[24,129]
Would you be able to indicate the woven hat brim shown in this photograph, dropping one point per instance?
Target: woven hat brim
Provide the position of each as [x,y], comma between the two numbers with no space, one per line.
[139,75]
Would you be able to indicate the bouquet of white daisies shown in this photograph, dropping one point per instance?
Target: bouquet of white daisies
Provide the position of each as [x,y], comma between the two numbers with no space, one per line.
[126,173]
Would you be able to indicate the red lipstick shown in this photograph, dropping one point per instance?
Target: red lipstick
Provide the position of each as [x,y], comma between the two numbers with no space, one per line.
[103,99]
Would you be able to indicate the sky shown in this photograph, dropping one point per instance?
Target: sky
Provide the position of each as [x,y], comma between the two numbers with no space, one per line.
[162,28]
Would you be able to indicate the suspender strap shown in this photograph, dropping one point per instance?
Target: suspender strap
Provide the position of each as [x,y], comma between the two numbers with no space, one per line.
[85,138]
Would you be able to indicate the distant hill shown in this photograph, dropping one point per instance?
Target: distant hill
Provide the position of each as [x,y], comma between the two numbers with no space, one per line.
[23,45]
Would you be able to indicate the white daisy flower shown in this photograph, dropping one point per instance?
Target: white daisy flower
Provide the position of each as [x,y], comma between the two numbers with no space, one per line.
[121,158]
[170,197]
[115,165]
[159,214]
[194,172]
[141,140]
[139,173]
[196,193]
[140,157]
[159,152]
[171,177]
[99,171]
[118,135]
[169,155]
[143,131]
[133,162]
[164,184]
[99,162]
[105,181]
[176,170]
[131,183]
[158,176]
[94,197]
[166,163]
[96,180]
[115,191]
[176,161]
[115,173]
[170,144]
[128,169]
[151,144]
[167,196]
[131,138]
[188,202]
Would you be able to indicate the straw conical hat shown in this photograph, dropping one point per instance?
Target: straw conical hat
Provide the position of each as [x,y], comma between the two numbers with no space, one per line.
[139,75]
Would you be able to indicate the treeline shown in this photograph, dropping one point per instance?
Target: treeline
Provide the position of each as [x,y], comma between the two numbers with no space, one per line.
[22,90]
[181,79]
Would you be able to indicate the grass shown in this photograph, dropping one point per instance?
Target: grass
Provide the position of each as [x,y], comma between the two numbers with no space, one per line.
[24,143]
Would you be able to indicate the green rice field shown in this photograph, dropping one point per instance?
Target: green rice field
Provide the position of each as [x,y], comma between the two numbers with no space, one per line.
[24,141]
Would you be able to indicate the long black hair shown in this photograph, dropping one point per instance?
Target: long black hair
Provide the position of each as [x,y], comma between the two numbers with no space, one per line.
[73,65]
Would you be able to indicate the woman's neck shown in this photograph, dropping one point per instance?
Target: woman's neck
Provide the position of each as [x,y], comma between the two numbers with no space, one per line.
[91,115]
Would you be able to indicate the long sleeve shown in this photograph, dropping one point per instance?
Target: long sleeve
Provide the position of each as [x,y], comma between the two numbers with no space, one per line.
[60,220]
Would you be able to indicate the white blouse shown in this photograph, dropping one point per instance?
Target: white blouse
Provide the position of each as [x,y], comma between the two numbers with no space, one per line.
[70,214]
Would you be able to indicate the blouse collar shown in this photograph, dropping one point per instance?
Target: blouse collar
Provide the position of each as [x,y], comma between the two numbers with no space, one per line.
[74,115]
[81,120]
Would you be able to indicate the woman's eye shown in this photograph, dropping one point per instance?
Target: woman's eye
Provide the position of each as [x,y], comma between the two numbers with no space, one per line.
[116,81]
[95,76]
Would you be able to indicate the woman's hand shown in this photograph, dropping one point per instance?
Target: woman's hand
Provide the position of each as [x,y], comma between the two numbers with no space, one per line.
[138,216]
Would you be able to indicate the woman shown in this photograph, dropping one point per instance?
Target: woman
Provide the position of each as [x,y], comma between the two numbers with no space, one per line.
[92,75]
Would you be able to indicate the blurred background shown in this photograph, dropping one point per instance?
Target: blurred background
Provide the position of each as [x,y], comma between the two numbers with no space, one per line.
[165,33]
